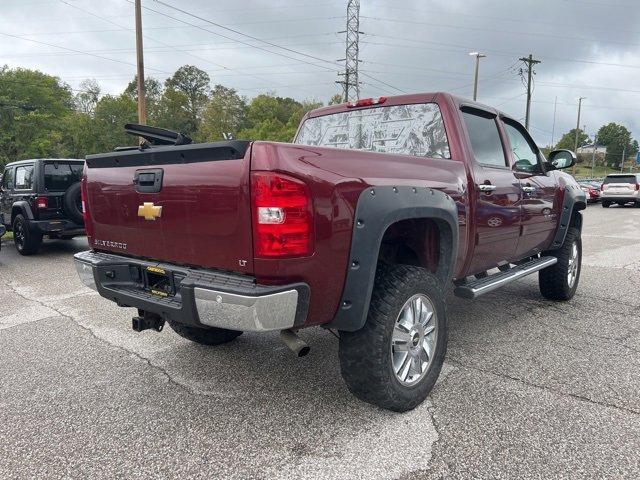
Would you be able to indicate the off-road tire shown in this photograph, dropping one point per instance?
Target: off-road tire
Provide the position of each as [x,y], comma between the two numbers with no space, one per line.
[606,204]
[204,336]
[26,242]
[553,280]
[365,355]
[72,205]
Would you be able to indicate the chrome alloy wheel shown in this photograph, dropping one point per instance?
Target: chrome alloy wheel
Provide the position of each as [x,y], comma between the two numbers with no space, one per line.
[414,339]
[572,271]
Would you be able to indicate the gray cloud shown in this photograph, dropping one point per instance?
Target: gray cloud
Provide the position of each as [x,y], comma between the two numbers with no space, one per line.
[588,48]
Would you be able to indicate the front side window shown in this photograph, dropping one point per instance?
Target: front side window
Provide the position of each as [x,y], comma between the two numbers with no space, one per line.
[485,139]
[524,155]
[416,129]
[24,177]
[7,179]
[59,176]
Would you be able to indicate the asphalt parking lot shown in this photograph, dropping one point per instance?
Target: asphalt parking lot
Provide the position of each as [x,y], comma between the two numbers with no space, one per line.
[530,388]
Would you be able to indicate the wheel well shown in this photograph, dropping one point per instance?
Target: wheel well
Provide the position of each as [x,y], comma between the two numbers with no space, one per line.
[414,241]
[576,217]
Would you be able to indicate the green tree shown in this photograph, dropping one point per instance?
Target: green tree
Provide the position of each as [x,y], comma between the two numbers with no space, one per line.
[568,139]
[87,98]
[274,118]
[111,114]
[617,139]
[172,112]
[336,99]
[153,94]
[31,106]
[225,113]
[195,85]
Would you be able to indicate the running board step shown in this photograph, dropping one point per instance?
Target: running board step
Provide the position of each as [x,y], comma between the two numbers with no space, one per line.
[484,285]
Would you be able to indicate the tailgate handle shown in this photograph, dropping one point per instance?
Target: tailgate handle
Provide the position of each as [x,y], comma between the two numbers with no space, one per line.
[149,180]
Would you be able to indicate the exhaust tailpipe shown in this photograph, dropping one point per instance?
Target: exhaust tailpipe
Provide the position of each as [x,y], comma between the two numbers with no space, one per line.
[294,342]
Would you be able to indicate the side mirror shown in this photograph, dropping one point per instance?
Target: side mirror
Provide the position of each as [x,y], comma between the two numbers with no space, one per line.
[562,159]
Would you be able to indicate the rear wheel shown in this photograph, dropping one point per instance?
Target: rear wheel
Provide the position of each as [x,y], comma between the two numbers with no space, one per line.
[394,360]
[26,242]
[605,204]
[204,336]
[560,281]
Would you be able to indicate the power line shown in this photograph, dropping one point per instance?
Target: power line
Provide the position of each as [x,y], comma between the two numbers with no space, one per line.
[266,42]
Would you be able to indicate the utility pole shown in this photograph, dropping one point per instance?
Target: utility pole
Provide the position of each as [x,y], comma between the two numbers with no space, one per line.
[530,62]
[478,56]
[593,155]
[575,145]
[142,101]
[350,83]
[553,128]
[624,152]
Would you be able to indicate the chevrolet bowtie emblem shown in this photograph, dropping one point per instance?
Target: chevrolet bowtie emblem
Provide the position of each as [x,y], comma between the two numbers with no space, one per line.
[149,211]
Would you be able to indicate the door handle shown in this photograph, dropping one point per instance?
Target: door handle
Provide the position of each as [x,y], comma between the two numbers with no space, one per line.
[528,189]
[486,187]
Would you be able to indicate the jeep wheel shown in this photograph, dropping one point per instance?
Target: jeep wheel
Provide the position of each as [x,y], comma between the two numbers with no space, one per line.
[394,360]
[27,242]
[204,336]
[605,204]
[560,281]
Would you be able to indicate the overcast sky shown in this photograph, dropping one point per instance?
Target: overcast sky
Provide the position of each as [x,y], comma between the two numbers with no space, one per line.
[588,49]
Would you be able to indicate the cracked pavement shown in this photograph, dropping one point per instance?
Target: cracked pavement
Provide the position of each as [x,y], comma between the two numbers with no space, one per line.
[530,388]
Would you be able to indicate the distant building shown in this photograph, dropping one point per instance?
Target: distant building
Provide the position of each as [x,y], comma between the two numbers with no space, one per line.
[600,149]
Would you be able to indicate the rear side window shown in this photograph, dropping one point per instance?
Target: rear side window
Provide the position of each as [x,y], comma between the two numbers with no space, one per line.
[415,129]
[24,177]
[7,179]
[485,139]
[620,179]
[60,176]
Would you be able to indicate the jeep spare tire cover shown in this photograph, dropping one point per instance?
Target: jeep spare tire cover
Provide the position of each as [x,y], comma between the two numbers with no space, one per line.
[72,203]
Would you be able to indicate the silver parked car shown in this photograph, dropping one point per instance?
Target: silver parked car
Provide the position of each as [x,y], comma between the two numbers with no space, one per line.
[620,188]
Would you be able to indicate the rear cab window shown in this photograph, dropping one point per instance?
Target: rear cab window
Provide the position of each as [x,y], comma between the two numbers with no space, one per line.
[412,129]
[58,176]
[620,179]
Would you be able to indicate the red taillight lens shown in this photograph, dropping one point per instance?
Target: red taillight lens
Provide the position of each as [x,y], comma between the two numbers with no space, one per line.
[85,210]
[602,187]
[42,202]
[282,216]
[637,186]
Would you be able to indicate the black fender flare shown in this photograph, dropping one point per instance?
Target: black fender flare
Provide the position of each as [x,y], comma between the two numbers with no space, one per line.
[23,207]
[574,199]
[378,208]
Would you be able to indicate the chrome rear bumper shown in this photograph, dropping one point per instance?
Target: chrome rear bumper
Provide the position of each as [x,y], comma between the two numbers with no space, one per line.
[200,297]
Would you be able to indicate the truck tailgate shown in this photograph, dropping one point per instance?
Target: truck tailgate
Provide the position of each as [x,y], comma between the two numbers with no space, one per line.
[198,213]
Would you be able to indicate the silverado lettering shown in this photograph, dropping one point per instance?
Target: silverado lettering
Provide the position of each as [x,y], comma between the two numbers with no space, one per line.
[359,226]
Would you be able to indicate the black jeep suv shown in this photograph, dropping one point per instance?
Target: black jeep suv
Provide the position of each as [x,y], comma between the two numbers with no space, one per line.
[41,197]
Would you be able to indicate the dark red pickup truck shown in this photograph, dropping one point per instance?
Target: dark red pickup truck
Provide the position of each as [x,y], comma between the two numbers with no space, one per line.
[359,226]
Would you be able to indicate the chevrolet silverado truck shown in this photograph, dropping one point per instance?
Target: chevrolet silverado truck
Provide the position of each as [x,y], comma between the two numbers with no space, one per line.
[360,226]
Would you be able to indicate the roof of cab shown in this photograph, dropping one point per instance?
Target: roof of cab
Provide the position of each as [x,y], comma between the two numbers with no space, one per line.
[404,100]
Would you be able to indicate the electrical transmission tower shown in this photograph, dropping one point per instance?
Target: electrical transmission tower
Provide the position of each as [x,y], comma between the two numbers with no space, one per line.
[350,83]
[529,62]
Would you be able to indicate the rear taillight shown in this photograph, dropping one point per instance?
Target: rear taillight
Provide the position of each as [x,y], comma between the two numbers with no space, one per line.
[85,209]
[42,202]
[637,186]
[602,187]
[282,216]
